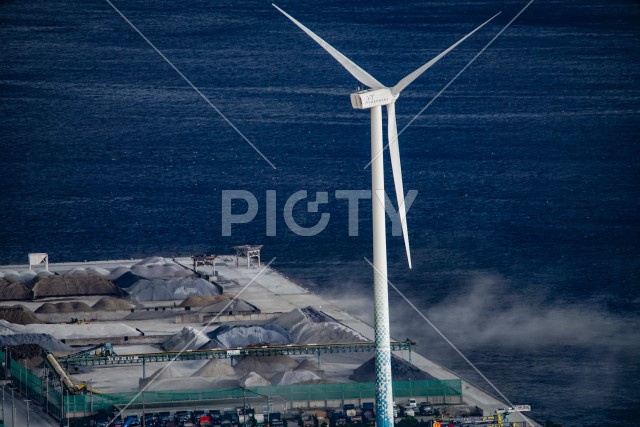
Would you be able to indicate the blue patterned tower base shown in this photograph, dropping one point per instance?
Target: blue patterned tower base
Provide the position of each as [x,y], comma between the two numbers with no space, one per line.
[384,395]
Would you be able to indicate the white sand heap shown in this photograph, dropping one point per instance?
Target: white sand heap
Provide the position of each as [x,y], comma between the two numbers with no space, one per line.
[22,276]
[309,326]
[187,339]
[153,268]
[12,334]
[237,336]
[266,366]
[89,271]
[172,379]
[64,331]
[253,380]
[216,368]
[171,289]
[294,377]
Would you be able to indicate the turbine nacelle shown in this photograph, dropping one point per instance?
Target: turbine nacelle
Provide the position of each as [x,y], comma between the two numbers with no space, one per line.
[369,98]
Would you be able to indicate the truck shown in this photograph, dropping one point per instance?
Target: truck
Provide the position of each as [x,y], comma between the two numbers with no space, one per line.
[349,410]
[426,408]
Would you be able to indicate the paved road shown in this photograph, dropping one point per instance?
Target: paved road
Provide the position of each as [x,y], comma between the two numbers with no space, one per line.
[35,416]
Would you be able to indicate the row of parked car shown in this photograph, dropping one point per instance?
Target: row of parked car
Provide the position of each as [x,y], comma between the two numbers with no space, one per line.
[199,418]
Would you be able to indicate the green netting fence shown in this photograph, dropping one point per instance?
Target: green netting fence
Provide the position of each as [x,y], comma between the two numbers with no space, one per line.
[47,393]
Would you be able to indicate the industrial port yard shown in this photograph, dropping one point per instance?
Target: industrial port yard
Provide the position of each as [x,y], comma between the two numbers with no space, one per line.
[193,333]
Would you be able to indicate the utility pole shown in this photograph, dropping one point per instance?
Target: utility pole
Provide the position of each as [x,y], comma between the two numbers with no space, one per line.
[143,420]
[13,409]
[28,402]
[244,396]
[61,401]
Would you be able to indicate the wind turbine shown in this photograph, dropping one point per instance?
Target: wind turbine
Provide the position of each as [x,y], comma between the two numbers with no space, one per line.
[374,98]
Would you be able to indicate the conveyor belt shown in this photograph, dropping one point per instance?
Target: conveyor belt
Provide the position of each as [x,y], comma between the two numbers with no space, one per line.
[288,350]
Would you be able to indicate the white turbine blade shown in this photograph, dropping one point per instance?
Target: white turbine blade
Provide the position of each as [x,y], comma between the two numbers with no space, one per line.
[411,77]
[397,174]
[361,75]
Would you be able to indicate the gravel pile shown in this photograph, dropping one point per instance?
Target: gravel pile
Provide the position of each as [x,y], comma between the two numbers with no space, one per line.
[309,326]
[66,331]
[401,370]
[253,380]
[294,377]
[63,307]
[171,289]
[111,304]
[59,286]
[171,379]
[12,334]
[152,268]
[185,340]
[237,336]
[216,368]
[265,366]
[227,306]
[203,300]
[23,276]
[19,315]
[14,291]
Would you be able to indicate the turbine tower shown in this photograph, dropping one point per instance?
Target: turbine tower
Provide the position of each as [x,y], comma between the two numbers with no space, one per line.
[373,99]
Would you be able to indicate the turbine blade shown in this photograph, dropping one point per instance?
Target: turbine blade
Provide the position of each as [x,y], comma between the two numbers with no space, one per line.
[406,81]
[397,173]
[361,75]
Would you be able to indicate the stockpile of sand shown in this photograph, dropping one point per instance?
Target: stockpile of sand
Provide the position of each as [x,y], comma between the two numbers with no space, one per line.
[12,334]
[203,300]
[45,341]
[13,290]
[253,380]
[58,286]
[169,378]
[237,336]
[401,370]
[66,331]
[187,339]
[265,366]
[309,326]
[216,368]
[111,304]
[171,289]
[19,315]
[63,307]
[88,271]
[308,365]
[294,377]
[127,280]
[230,306]
[167,372]
[152,268]
[23,276]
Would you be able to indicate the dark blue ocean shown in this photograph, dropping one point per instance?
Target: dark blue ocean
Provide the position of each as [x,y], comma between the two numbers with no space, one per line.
[526,229]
